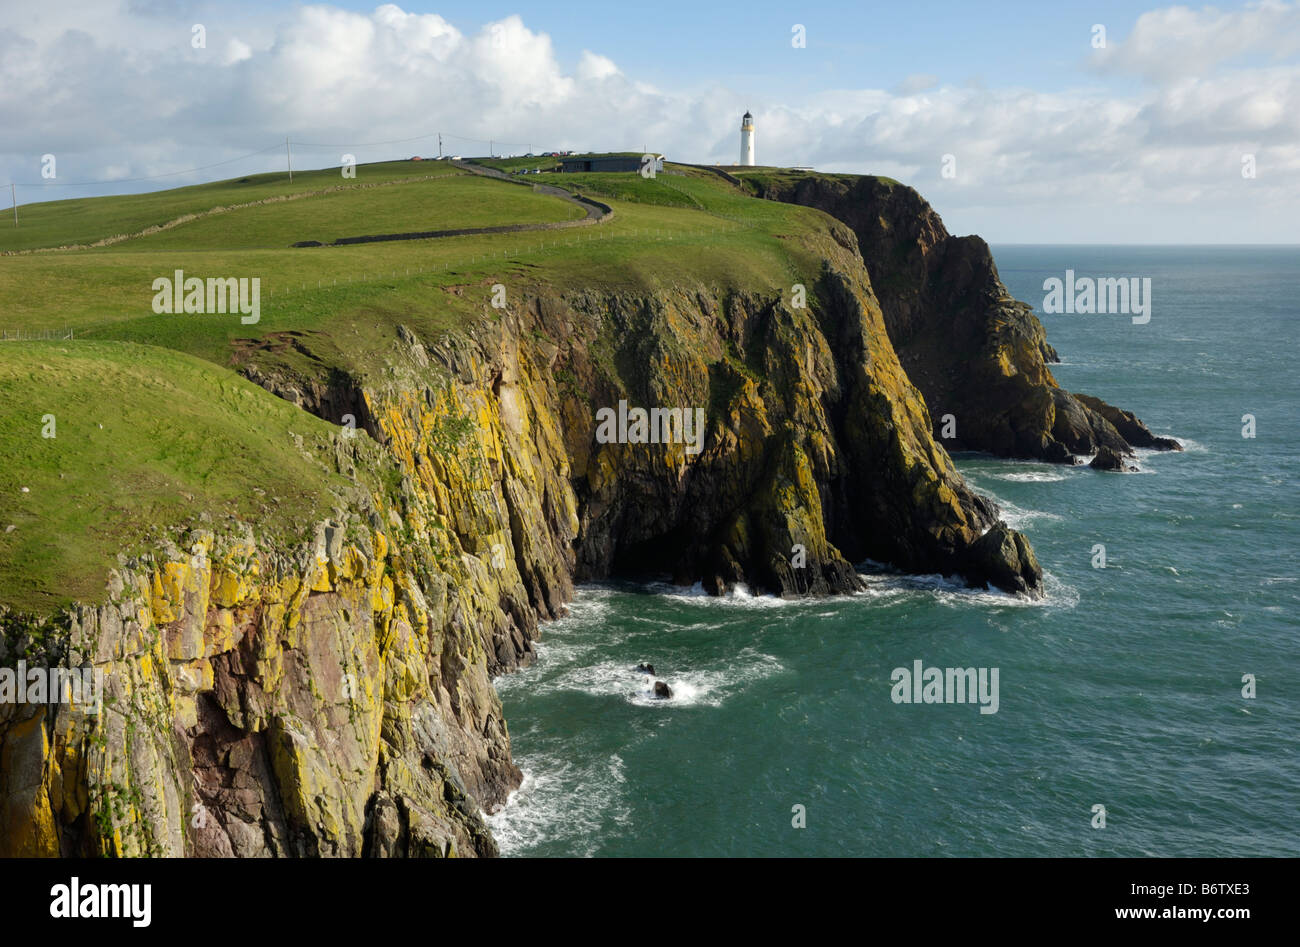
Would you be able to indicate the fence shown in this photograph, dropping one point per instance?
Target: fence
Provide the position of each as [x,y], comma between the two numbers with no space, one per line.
[34,335]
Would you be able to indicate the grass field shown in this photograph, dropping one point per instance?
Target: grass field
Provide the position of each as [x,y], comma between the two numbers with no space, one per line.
[184,435]
[86,220]
[399,207]
[142,435]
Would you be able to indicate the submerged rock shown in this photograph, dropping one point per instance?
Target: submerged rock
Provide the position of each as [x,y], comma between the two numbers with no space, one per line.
[1108,459]
[646,669]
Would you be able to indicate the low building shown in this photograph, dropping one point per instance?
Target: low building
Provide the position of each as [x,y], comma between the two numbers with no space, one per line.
[606,163]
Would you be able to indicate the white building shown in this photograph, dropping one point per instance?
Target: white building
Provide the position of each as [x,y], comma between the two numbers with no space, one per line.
[747,140]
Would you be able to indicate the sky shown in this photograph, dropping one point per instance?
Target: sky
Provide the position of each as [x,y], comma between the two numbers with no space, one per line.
[1036,122]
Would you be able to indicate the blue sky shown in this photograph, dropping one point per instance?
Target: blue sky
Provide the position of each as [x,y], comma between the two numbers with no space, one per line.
[1047,138]
[857,45]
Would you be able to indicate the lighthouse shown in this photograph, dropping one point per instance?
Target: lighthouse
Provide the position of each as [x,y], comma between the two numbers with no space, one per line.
[747,140]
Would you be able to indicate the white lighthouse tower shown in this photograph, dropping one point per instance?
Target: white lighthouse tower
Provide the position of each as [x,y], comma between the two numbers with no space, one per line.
[747,140]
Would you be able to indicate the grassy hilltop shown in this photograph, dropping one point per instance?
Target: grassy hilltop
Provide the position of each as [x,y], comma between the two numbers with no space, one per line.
[154,424]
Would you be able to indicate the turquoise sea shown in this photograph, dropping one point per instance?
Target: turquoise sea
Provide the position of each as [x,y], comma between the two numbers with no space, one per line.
[1122,689]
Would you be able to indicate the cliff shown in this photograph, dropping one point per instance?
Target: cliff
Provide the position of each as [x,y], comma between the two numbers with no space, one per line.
[334,697]
[975,352]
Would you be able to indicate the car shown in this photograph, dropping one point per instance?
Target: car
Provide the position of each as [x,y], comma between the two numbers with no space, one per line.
[456,158]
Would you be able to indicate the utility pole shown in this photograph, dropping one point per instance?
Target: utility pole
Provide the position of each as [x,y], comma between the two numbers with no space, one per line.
[439,144]
[288,158]
[14,197]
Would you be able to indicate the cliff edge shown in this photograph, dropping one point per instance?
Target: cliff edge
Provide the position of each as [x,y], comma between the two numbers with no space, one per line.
[975,352]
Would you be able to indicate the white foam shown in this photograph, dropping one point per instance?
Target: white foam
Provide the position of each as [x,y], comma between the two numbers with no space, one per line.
[695,686]
[554,648]
[561,801]
[739,596]
[1033,476]
[1016,517]
[953,591]
[550,652]
[591,605]
[677,591]
[1019,518]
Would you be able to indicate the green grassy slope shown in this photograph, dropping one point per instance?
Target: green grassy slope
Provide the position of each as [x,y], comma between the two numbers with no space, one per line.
[143,436]
[180,423]
[86,220]
[442,204]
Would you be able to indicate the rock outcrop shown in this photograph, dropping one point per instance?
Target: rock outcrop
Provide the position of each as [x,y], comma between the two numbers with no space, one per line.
[976,354]
[1129,427]
[1108,459]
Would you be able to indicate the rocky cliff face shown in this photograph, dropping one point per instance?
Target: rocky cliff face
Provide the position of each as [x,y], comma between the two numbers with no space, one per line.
[336,699]
[816,442]
[331,700]
[976,353]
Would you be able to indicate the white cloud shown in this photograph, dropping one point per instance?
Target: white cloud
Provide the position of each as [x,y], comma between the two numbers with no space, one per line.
[1179,41]
[237,51]
[119,91]
[593,66]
